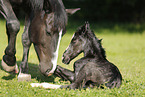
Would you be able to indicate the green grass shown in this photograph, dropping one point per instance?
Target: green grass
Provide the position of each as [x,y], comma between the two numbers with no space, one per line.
[124,45]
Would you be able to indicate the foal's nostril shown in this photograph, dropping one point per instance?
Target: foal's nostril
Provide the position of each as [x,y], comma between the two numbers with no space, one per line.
[63,57]
[65,60]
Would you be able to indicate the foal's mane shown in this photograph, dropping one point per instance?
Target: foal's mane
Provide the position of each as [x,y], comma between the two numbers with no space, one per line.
[97,45]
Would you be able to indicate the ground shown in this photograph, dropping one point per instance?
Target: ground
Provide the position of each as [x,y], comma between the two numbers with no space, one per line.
[125,47]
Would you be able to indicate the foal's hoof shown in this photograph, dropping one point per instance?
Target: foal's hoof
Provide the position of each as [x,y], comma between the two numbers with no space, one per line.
[9,68]
[24,77]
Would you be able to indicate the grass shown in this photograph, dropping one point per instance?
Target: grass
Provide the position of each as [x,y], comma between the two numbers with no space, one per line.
[124,45]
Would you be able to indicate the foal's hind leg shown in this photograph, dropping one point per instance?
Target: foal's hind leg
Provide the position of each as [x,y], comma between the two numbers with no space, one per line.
[12,27]
[23,74]
[79,81]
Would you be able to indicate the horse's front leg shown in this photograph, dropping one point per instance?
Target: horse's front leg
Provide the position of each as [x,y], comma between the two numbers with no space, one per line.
[23,74]
[12,27]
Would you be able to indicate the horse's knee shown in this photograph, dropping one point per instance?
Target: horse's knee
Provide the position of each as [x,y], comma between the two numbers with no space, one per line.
[13,26]
[25,40]
[45,68]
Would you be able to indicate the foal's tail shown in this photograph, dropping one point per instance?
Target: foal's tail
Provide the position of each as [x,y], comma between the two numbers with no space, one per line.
[115,82]
[118,82]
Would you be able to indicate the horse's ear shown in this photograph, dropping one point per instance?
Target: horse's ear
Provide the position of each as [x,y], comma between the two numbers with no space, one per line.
[72,11]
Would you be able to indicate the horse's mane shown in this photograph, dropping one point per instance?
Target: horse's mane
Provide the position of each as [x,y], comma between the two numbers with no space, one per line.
[36,4]
[56,6]
[96,42]
[60,14]
[60,18]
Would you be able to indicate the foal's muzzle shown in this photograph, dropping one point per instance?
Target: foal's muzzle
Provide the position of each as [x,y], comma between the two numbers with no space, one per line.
[65,59]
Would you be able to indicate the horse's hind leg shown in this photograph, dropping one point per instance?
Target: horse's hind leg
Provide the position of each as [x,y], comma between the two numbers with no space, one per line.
[12,27]
[23,74]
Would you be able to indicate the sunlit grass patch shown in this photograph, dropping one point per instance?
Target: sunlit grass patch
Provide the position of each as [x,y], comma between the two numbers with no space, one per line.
[125,48]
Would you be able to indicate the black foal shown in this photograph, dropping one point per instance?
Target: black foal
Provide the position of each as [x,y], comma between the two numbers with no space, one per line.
[91,70]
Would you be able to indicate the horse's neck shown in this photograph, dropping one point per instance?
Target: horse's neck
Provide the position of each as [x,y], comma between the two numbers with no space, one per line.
[93,51]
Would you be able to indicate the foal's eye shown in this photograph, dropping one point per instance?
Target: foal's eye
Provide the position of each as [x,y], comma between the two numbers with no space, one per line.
[74,41]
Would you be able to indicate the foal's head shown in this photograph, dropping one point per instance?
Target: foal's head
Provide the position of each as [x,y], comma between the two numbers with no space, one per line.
[84,40]
[78,43]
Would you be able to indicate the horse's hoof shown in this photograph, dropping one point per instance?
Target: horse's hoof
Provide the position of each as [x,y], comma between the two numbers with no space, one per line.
[24,77]
[9,68]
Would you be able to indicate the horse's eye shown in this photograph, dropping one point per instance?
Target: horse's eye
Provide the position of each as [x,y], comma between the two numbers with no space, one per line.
[48,33]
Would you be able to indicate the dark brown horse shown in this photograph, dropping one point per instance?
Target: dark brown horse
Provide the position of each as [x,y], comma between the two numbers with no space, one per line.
[45,23]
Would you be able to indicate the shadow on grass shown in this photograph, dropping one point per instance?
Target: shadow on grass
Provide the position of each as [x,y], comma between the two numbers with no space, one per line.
[10,77]
[33,70]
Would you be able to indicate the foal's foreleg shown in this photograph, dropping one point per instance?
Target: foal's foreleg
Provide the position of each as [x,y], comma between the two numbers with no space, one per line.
[23,74]
[12,27]
[64,73]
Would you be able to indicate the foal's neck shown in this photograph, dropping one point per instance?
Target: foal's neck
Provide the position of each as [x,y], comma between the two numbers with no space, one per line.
[94,49]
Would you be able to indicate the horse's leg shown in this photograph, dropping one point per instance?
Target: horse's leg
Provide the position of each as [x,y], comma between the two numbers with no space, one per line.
[12,27]
[64,73]
[23,74]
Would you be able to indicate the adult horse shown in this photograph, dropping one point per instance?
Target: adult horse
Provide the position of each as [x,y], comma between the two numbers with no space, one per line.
[45,22]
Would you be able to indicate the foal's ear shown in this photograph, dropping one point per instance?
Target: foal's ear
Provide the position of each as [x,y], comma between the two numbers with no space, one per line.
[87,25]
[72,11]
[100,40]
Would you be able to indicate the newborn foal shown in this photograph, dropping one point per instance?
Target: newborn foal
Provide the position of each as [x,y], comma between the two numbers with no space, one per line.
[91,70]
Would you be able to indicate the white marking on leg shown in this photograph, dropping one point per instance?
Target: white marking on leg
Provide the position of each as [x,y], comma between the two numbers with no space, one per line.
[24,77]
[54,59]
[8,68]
[45,85]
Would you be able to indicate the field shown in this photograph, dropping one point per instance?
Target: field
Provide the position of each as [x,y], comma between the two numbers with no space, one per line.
[124,45]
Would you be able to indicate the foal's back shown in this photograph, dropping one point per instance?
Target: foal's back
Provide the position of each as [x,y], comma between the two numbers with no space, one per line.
[99,73]
[109,73]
